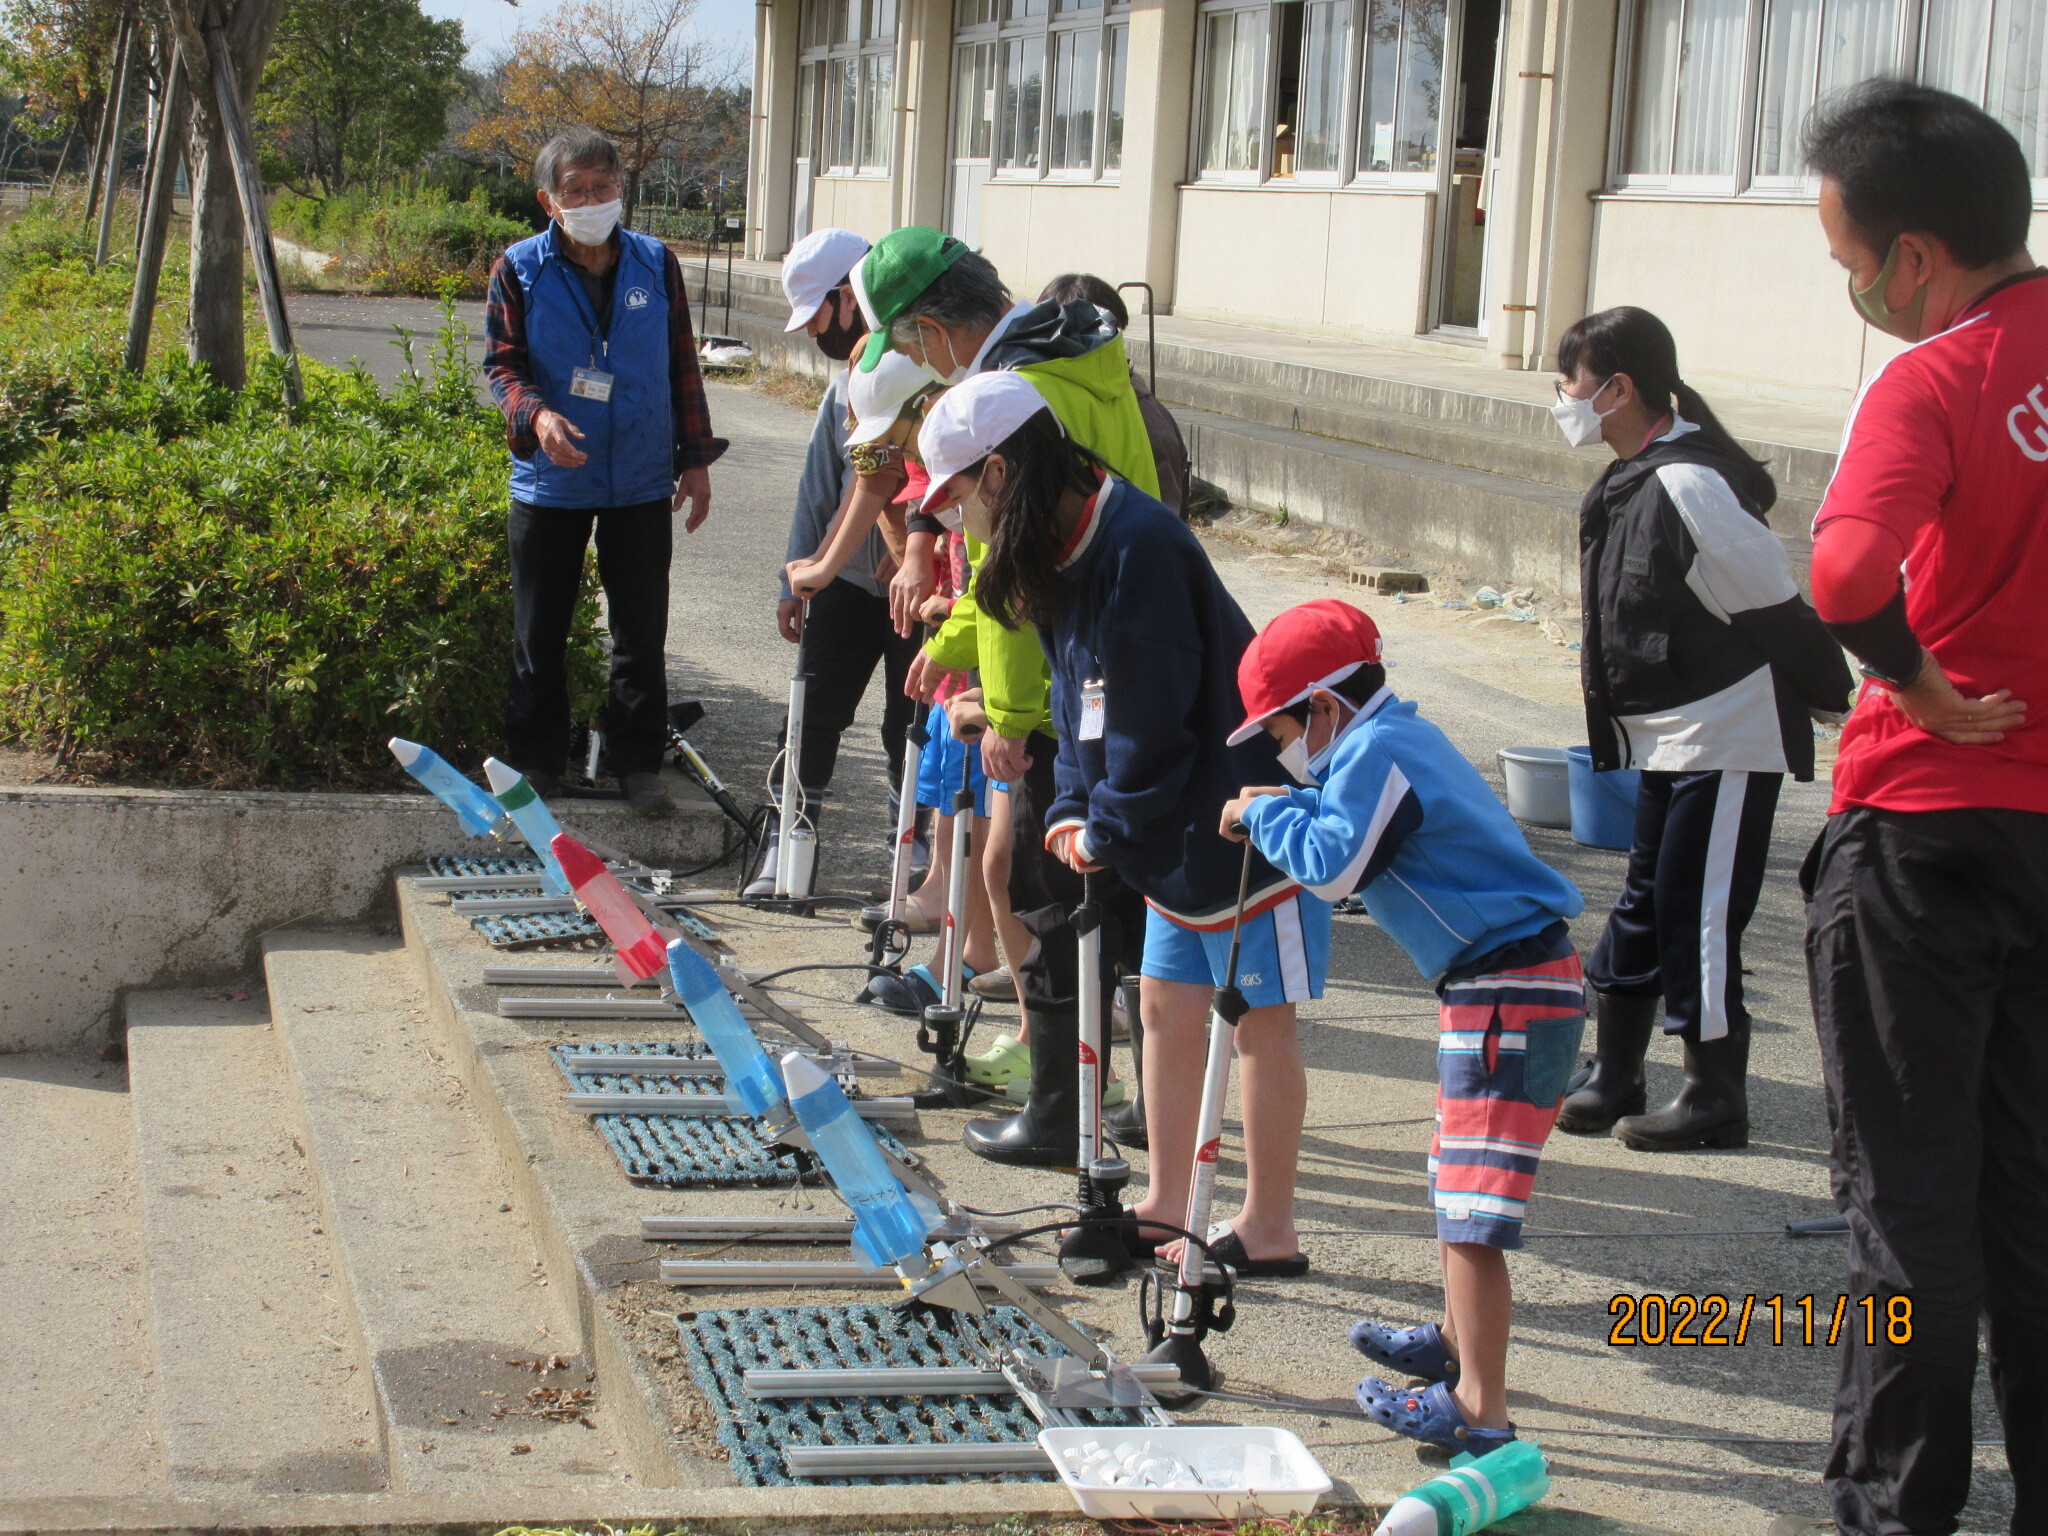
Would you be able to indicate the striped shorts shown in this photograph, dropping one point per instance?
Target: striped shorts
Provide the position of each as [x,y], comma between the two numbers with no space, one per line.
[1509,1039]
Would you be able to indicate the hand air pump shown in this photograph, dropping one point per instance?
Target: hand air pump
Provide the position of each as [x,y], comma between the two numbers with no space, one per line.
[1200,1308]
[1095,1253]
[796,840]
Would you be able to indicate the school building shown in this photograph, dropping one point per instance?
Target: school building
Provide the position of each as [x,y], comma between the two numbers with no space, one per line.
[1364,210]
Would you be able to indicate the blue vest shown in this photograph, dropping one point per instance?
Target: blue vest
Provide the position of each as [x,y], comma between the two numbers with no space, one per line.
[630,439]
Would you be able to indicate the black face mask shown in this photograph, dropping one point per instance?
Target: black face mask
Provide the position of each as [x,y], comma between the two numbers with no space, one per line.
[838,340]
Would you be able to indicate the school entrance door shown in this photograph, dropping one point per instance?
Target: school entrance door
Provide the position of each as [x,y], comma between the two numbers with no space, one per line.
[1471,93]
[974,122]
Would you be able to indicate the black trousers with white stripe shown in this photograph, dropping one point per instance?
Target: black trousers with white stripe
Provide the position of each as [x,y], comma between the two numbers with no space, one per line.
[1693,876]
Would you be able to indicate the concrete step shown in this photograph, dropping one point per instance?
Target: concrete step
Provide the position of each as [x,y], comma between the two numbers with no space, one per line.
[262,1388]
[440,1271]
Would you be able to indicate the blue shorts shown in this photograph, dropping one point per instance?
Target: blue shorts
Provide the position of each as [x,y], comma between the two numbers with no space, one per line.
[938,767]
[1284,956]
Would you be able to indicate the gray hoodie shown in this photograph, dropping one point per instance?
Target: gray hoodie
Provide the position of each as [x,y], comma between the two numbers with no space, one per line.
[824,480]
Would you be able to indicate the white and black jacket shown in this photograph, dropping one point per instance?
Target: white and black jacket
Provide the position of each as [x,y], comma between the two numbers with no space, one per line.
[1698,653]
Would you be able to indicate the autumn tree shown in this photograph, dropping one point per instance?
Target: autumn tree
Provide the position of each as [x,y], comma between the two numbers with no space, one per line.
[356,90]
[635,70]
[60,54]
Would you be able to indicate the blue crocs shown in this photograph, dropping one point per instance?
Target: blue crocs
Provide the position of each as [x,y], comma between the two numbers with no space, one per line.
[1415,1351]
[1429,1414]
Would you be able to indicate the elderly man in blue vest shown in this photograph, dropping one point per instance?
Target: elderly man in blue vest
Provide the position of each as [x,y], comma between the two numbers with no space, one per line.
[589,354]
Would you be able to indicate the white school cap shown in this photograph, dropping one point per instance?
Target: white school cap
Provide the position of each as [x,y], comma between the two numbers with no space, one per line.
[970,420]
[816,265]
[877,398]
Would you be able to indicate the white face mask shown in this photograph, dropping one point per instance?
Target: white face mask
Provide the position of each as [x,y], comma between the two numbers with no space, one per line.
[959,368]
[1294,758]
[950,519]
[1579,421]
[592,225]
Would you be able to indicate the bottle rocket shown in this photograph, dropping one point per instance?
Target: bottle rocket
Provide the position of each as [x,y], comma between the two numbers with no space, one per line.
[1477,1491]
[481,815]
[749,1076]
[888,1228]
[535,823]
[641,949]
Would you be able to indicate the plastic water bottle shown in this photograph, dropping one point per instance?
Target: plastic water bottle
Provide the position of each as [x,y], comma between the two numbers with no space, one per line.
[481,815]
[1475,1493]
[887,1227]
[641,949]
[523,804]
[749,1076]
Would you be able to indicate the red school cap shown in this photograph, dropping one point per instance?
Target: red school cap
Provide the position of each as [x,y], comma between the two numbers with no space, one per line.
[1316,645]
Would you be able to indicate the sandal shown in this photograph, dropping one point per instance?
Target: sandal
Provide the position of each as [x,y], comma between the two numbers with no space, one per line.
[1226,1247]
[1429,1414]
[1418,1352]
[1005,1063]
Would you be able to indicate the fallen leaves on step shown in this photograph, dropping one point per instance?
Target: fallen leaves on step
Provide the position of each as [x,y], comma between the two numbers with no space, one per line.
[558,1405]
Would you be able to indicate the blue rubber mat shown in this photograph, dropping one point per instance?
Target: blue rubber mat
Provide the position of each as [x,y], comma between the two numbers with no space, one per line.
[473,866]
[688,1151]
[723,1346]
[523,929]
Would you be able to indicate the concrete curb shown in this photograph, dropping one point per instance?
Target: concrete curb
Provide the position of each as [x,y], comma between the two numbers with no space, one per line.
[114,889]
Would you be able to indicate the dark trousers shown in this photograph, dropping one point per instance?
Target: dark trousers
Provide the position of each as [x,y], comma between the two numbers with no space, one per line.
[846,634]
[1044,893]
[1693,876]
[547,545]
[1927,950]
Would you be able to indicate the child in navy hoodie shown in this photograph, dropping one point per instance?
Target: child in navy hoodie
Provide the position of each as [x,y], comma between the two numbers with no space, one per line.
[1392,810]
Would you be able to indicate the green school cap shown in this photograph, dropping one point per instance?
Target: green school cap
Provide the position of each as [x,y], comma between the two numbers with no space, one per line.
[901,265]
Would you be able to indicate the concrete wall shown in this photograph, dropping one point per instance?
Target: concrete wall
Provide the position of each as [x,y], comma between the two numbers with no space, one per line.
[1351,263]
[103,890]
[1035,230]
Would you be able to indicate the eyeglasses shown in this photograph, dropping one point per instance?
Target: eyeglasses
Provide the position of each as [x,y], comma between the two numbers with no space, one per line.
[1559,385]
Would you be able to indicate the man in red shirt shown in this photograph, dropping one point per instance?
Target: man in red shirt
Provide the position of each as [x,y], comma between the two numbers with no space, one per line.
[1927,915]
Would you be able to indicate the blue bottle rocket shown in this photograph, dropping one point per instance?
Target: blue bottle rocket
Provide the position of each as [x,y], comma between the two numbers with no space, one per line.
[749,1076]
[888,1228]
[536,824]
[481,815]
[1476,1492]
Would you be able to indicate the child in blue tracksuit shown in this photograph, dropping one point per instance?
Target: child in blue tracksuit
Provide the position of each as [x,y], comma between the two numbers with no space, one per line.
[1392,810]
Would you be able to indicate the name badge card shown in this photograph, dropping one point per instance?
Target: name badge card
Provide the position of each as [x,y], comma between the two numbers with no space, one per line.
[589,384]
[1092,712]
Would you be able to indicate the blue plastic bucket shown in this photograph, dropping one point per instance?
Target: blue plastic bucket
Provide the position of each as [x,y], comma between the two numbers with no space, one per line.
[1603,804]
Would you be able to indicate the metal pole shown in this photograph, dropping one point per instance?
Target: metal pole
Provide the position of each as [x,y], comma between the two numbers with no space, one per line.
[726,235]
[123,68]
[255,214]
[717,214]
[99,139]
[153,228]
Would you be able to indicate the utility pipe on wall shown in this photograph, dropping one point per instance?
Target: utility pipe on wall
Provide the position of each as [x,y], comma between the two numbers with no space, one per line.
[1530,79]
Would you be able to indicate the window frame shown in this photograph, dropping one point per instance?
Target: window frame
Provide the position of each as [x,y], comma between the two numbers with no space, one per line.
[1106,20]
[1909,59]
[867,54]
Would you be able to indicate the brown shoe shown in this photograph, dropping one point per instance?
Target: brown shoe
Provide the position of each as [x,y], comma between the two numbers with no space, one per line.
[648,796]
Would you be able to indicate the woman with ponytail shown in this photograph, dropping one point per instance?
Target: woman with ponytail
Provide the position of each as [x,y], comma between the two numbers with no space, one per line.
[1144,643]
[1702,667]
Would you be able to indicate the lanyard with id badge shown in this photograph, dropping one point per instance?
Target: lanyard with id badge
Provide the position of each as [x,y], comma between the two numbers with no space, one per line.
[1094,712]
[592,382]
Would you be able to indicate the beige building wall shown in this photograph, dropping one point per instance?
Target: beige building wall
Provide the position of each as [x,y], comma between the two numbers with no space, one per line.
[1354,264]
[863,204]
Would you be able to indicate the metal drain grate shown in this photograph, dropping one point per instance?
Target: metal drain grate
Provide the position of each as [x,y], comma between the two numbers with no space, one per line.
[472,867]
[723,1346]
[532,929]
[688,1151]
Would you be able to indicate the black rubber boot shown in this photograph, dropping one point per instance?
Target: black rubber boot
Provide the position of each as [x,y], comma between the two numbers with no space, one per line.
[1046,1132]
[1711,1110]
[1610,1085]
[1126,1123]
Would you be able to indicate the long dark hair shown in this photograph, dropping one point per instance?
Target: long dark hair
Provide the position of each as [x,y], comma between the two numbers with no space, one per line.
[1635,342]
[1019,579]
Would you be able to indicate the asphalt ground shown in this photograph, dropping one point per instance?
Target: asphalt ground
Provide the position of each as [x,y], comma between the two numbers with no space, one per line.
[1639,1436]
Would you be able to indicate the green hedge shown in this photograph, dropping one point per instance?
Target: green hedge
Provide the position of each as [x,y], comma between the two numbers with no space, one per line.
[405,238]
[204,587]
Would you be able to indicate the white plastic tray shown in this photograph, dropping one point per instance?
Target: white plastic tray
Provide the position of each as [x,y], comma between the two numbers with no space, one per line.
[1298,1483]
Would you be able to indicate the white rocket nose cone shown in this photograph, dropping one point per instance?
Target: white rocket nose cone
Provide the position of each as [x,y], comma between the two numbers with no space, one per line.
[502,776]
[407,752]
[801,1075]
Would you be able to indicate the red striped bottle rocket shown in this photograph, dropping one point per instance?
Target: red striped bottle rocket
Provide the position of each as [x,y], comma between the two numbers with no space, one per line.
[642,951]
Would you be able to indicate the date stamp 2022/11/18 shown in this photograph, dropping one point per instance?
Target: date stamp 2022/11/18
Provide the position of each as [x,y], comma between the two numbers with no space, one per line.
[1712,1318]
